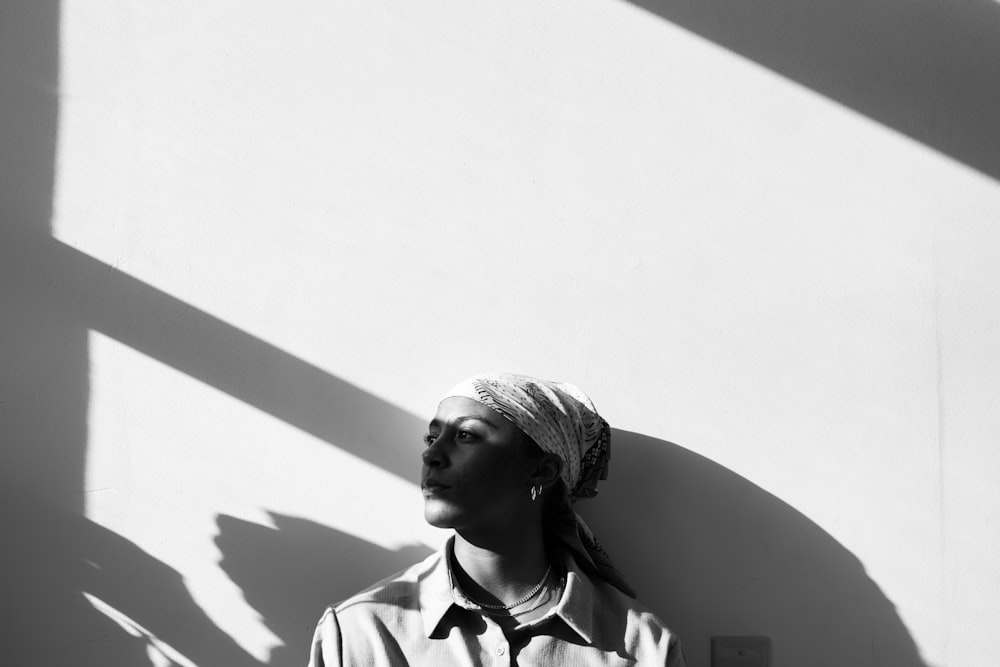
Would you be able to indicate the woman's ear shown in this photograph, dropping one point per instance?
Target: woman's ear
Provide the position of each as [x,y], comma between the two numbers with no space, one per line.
[547,470]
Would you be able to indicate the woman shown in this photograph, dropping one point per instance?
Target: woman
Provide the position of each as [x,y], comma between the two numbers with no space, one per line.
[522,580]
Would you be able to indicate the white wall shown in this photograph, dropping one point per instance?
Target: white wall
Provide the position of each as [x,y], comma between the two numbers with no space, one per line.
[279,231]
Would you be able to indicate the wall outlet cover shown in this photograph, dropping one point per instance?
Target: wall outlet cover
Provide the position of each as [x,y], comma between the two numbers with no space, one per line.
[741,651]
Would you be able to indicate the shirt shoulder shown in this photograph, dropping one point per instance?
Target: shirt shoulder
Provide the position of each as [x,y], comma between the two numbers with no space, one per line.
[399,590]
[371,626]
[626,623]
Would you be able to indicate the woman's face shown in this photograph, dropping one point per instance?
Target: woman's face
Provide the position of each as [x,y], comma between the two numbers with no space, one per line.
[475,471]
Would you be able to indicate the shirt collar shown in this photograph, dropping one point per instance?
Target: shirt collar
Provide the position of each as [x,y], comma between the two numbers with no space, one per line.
[435,589]
[576,606]
[438,593]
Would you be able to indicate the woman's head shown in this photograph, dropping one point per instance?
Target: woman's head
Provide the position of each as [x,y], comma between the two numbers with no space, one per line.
[496,437]
[479,469]
[532,434]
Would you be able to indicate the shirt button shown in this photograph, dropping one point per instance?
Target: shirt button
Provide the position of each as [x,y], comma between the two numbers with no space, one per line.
[501,650]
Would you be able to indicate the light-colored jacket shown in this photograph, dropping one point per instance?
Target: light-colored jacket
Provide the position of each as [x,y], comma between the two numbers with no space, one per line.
[420,618]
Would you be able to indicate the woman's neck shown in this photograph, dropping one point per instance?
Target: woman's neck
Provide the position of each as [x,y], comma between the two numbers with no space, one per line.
[499,569]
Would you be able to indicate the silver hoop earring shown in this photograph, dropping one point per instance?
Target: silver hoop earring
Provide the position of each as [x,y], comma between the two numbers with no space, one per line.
[535,492]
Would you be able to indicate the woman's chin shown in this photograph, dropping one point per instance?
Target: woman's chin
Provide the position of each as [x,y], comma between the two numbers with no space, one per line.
[438,513]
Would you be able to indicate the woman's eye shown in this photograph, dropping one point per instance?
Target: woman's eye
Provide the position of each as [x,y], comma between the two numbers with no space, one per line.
[466,435]
[429,439]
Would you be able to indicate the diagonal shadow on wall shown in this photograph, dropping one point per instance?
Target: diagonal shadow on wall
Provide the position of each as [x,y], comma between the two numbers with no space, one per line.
[99,297]
[927,69]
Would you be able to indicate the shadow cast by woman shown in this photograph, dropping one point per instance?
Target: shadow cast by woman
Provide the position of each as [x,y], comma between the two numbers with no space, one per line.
[715,554]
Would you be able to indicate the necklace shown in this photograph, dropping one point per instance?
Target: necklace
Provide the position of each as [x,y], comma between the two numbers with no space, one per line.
[541,602]
[528,596]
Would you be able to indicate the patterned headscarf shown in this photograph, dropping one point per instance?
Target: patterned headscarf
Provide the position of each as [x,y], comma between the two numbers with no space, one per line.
[562,421]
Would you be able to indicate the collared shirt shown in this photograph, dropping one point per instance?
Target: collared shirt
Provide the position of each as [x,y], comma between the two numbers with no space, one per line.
[420,617]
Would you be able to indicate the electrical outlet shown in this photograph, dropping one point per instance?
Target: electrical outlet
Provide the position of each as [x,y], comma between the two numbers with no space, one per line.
[741,651]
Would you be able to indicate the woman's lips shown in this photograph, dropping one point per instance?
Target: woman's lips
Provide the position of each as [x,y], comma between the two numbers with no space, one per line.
[433,487]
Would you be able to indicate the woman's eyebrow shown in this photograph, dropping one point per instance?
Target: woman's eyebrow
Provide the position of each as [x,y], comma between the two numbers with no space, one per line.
[481,420]
[462,420]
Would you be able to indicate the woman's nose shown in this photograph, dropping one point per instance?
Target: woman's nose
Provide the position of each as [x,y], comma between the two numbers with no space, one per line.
[432,456]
